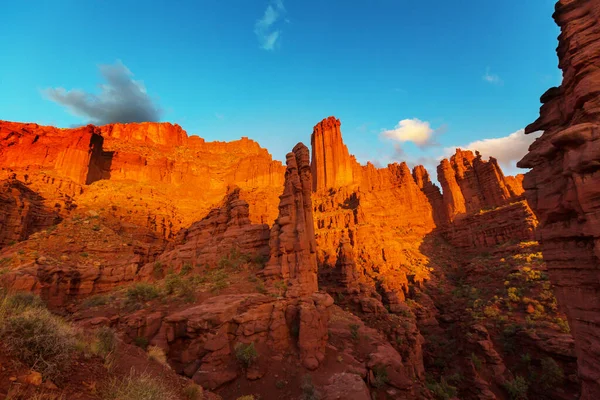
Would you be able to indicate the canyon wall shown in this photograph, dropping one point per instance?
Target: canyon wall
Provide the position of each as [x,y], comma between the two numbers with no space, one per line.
[563,186]
[151,175]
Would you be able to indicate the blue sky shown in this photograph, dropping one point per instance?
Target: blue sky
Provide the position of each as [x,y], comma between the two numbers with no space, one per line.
[455,72]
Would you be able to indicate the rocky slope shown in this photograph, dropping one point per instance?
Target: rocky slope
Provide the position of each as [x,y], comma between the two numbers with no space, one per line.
[563,186]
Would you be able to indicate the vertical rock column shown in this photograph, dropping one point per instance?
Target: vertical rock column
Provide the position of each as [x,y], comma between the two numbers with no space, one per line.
[293,247]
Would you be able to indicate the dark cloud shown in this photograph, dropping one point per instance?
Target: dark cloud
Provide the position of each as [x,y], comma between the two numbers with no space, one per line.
[121,99]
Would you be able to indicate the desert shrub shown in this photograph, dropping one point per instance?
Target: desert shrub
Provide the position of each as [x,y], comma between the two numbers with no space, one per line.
[563,325]
[354,330]
[105,342]
[141,292]
[513,294]
[476,361]
[442,390]
[20,301]
[158,270]
[246,353]
[552,374]
[281,286]
[193,392]
[186,268]
[137,387]
[309,392]
[40,340]
[95,301]
[234,260]
[381,376]
[179,286]
[517,388]
[157,354]
[141,341]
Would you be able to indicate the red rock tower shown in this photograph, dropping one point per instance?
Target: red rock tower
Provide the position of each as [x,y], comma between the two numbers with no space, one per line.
[332,165]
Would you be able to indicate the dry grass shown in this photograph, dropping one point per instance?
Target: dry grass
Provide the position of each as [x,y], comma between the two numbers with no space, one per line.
[39,339]
[157,354]
[137,386]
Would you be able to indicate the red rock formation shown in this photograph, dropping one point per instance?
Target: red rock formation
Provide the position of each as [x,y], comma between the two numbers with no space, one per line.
[293,246]
[563,186]
[22,212]
[331,165]
[145,174]
[471,184]
[514,221]
[369,221]
[225,230]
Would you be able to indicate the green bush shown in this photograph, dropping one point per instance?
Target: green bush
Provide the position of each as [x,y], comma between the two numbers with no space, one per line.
[552,374]
[141,292]
[137,387]
[381,376]
[95,301]
[180,286]
[517,388]
[354,331]
[246,353]
[442,390]
[141,342]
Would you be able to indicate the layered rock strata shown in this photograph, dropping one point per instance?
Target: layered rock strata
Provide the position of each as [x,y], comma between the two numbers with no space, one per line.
[563,186]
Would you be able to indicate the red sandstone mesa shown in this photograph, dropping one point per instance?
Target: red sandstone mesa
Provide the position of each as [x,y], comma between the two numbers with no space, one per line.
[149,174]
[563,186]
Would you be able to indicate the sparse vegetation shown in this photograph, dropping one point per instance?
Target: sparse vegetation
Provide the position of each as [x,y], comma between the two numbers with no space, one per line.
[354,331]
[381,376]
[157,354]
[141,341]
[141,292]
[309,392]
[517,388]
[186,268]
[246,353]
[158,270]
[476,361]
[104,343]
[442,390]
[552,375]
[96,301]
[137,387]
[193,392]
[40,340]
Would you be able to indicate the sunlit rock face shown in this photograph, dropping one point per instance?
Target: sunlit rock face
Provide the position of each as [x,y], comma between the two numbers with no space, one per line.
[150,175]
[563,186]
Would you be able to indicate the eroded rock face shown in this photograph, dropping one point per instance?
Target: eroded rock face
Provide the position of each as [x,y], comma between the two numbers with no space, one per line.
[22,212]
[204,341]
[146,174]
[471,184]
[224,231]
[563,186]
[293,246]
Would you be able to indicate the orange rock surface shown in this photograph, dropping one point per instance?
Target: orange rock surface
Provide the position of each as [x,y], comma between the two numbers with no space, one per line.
[563,186]
[148,174]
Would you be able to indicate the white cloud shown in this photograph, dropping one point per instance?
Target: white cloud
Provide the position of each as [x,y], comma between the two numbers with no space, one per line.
[267,36]
[412,130]
[507,150]
[492,78]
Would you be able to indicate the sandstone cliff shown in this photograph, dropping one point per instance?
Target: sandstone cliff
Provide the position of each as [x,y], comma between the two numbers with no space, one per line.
[563,186]
[150,175]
